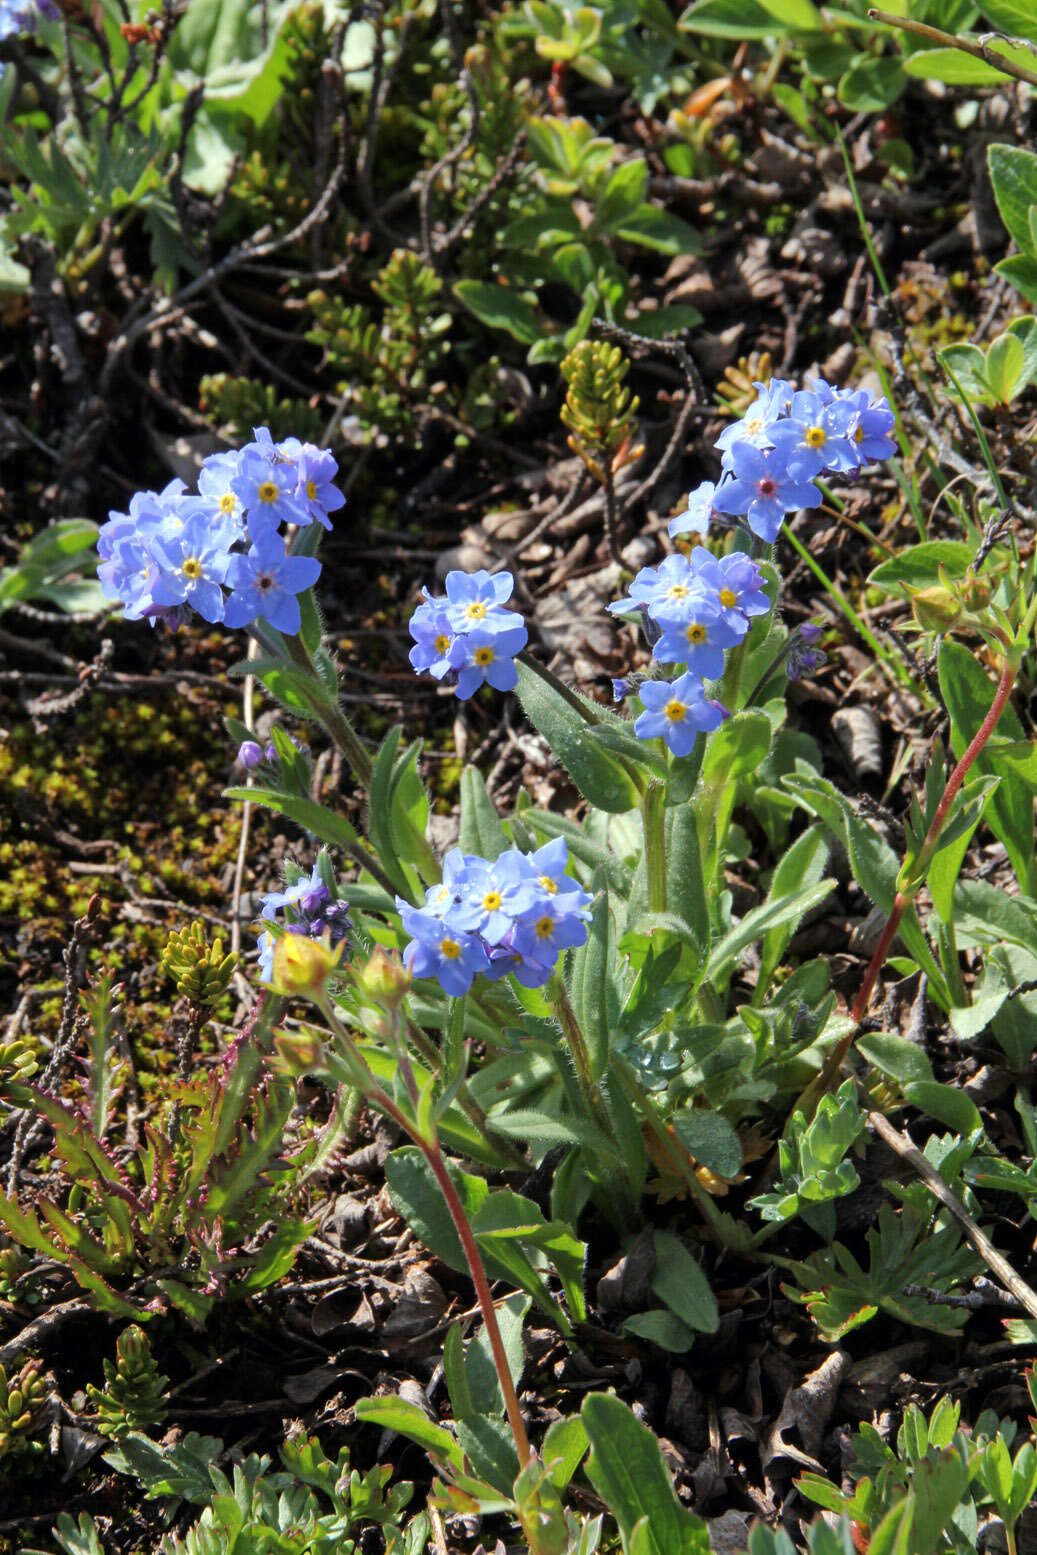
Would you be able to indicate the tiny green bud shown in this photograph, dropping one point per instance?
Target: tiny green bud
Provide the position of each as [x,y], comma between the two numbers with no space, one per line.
[384,979]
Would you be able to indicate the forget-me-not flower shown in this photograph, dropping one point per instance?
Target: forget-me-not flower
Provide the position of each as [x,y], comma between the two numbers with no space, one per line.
[677,711]
[265,581]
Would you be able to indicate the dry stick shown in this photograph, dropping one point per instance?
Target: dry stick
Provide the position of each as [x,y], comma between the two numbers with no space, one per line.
[903,899]
[978,50]
[1024,1294]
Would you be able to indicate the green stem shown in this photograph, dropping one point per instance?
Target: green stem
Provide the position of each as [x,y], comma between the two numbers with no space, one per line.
[466,1101]
[653,821]
[580,1055]
[339,729]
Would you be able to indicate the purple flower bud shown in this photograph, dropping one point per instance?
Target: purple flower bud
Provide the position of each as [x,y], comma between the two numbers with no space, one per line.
[250,754]
[620,689]
[271,752]
[810,632]
[804,661]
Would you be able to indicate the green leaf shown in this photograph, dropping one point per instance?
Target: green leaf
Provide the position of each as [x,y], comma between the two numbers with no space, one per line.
[681,1285]
[798,15]
[662,1327]
[486,1394]
[802,864]
[623,194]
[627,1470]
[384,835]
[1017,18]
[490,1449]
[968,694]
[481,829]
[600,777]
[324,824]
[501,308]
[872,84]
[895,1055]
[592,984]
[919,566]
[710,1138]
[1013,176]
[959,69]
[659,230]
[564,1448]
[969,366]
[396,1414]
[729,19]
[875,865]
[771,915]
[946,1103]
[1006,368]
[685,884]
[1021,271]
[738,747]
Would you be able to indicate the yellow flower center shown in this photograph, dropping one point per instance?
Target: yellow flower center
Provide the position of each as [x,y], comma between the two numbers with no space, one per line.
[545,927]
[675,711]
[696,633]
[483,656]
[442,643]
[228,502]
[269,491]
[450,949]
[678,591]
[858,436]
[476,610]
[728,597]
[548,884]
[311,490]
[192,567]
[491,901]
[754,424]
[815,437]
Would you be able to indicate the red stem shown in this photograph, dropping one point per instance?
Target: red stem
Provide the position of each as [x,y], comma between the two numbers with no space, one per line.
[902,901]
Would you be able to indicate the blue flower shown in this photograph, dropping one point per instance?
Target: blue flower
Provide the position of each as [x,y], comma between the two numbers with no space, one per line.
[493,896]
[698,513]
[817,436]
[193,564]
[771,404]
[215,486]
[475,601]
[489,658]
[620,689]
[548,866]
[549,928]
[265,582]
[317,469]
[873,434]
[438,650]
[763,490]
[696,634]
[310,908]
[450,956]
[678,711]
[659,589]
[266,488]
[741,587]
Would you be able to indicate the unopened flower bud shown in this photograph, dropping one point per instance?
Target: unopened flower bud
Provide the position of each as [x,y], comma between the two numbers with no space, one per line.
[300,1052]
[302,966]
[810,632]
[250,754]
[384,979]
[936,609]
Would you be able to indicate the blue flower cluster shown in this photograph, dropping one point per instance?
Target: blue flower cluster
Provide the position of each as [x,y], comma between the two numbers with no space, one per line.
[175,551]
[309,908]
[514,914]
[693,609]
[786,438]
[22,15]
[468,639]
